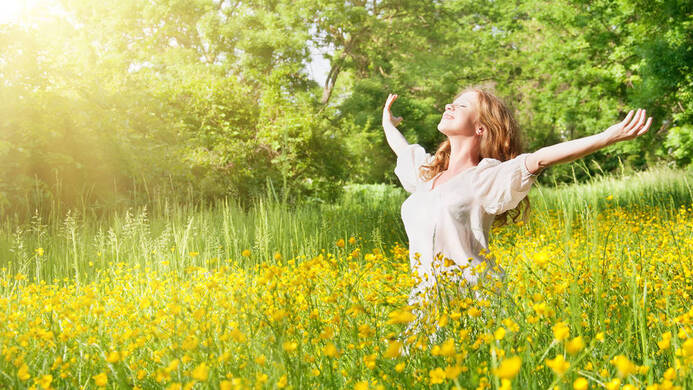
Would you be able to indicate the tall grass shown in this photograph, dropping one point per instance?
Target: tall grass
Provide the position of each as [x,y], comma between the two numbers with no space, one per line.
[79,243]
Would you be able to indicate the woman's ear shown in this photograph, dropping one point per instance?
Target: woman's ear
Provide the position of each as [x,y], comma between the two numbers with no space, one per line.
[480,130]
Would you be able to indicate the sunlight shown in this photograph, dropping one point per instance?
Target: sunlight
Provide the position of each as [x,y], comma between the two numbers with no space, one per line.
[10,10]
[19,11]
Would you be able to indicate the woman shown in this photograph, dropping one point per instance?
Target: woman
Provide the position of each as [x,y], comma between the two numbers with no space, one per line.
[476,175]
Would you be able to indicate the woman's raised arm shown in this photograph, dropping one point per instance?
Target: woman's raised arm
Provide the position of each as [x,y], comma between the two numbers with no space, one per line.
[394,138]
[632,126]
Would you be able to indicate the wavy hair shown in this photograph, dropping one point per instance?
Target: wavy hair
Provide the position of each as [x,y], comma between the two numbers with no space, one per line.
[501,141]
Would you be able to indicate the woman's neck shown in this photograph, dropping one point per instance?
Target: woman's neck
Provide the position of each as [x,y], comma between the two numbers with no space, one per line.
[465,152]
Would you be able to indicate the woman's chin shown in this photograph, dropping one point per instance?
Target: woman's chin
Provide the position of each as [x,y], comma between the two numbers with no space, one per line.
[443,129]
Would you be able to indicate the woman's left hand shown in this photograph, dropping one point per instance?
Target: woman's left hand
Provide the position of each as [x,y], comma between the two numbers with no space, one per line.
[632,126]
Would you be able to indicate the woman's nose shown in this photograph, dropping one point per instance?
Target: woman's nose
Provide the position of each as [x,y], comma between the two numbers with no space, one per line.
[448,107]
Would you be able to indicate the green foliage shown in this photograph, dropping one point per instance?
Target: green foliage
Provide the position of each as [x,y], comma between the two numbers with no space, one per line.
[680,144]
[207,99]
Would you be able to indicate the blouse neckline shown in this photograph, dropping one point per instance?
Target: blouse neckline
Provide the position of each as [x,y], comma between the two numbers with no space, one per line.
[431,188]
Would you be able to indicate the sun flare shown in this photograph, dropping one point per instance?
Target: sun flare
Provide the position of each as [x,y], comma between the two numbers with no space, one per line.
[20,11]
[10,10]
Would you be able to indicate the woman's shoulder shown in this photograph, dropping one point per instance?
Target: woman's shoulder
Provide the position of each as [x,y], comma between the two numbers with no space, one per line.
[488,162]
[516,166]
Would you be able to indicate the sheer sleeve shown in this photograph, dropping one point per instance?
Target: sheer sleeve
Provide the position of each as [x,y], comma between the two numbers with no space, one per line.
[408,162]
[502,185]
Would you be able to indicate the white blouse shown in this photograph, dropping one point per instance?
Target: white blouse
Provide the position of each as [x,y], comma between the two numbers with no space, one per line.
[454,218]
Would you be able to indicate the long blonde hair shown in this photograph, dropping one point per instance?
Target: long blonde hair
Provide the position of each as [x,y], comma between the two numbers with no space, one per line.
[501,141]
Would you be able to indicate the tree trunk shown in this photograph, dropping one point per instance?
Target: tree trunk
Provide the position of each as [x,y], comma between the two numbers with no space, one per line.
[330,81]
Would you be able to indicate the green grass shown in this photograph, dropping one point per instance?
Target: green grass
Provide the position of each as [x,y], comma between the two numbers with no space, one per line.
[189,235]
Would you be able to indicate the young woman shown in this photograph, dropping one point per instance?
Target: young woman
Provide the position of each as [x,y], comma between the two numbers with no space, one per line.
[477,174]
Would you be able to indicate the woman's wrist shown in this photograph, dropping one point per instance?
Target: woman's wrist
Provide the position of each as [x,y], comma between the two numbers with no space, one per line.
[607,138]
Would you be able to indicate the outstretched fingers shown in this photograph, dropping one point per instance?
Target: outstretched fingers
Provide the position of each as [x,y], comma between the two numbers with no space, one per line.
[390,99]
[633,124]
[638,125]
[641,123]
[625,120]
[645,128]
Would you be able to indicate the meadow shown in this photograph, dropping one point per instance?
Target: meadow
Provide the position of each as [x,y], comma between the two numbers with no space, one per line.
[597,295]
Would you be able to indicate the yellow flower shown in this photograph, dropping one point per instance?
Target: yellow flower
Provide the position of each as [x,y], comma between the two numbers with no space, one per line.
[474,312]
[39,251]
[401,317]
[283,381]
[610,197]
[365,331]
[687,347]
[194,254]
[580,384]
[452,372]
[352,240]
[624,366]
[393,349]
[45,381]
[330,350]
[400,367]
[289,346]
[201,372]
[277,256]
[363,385]
[540,308]
[173,365]
[558,365]
[613,384]
[600,337]
[443,321]
[575,345]
[561,331]
[340,243]
[665,342]
[245,253]
[508,368]
[261,378]
[437,375]
[499,333]
[260,360]
[370,360]
[542,258]
[101,379]
[447,348]
[113,357]
[23,372]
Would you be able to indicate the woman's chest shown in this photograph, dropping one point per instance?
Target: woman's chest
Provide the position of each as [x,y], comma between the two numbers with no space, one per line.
[425,206]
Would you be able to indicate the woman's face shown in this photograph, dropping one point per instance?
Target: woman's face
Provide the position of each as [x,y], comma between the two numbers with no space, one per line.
[460,116]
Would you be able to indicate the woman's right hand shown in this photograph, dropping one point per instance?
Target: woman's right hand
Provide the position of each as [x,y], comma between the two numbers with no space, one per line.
[387,115]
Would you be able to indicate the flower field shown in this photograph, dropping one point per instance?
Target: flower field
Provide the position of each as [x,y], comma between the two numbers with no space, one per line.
[592,299]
